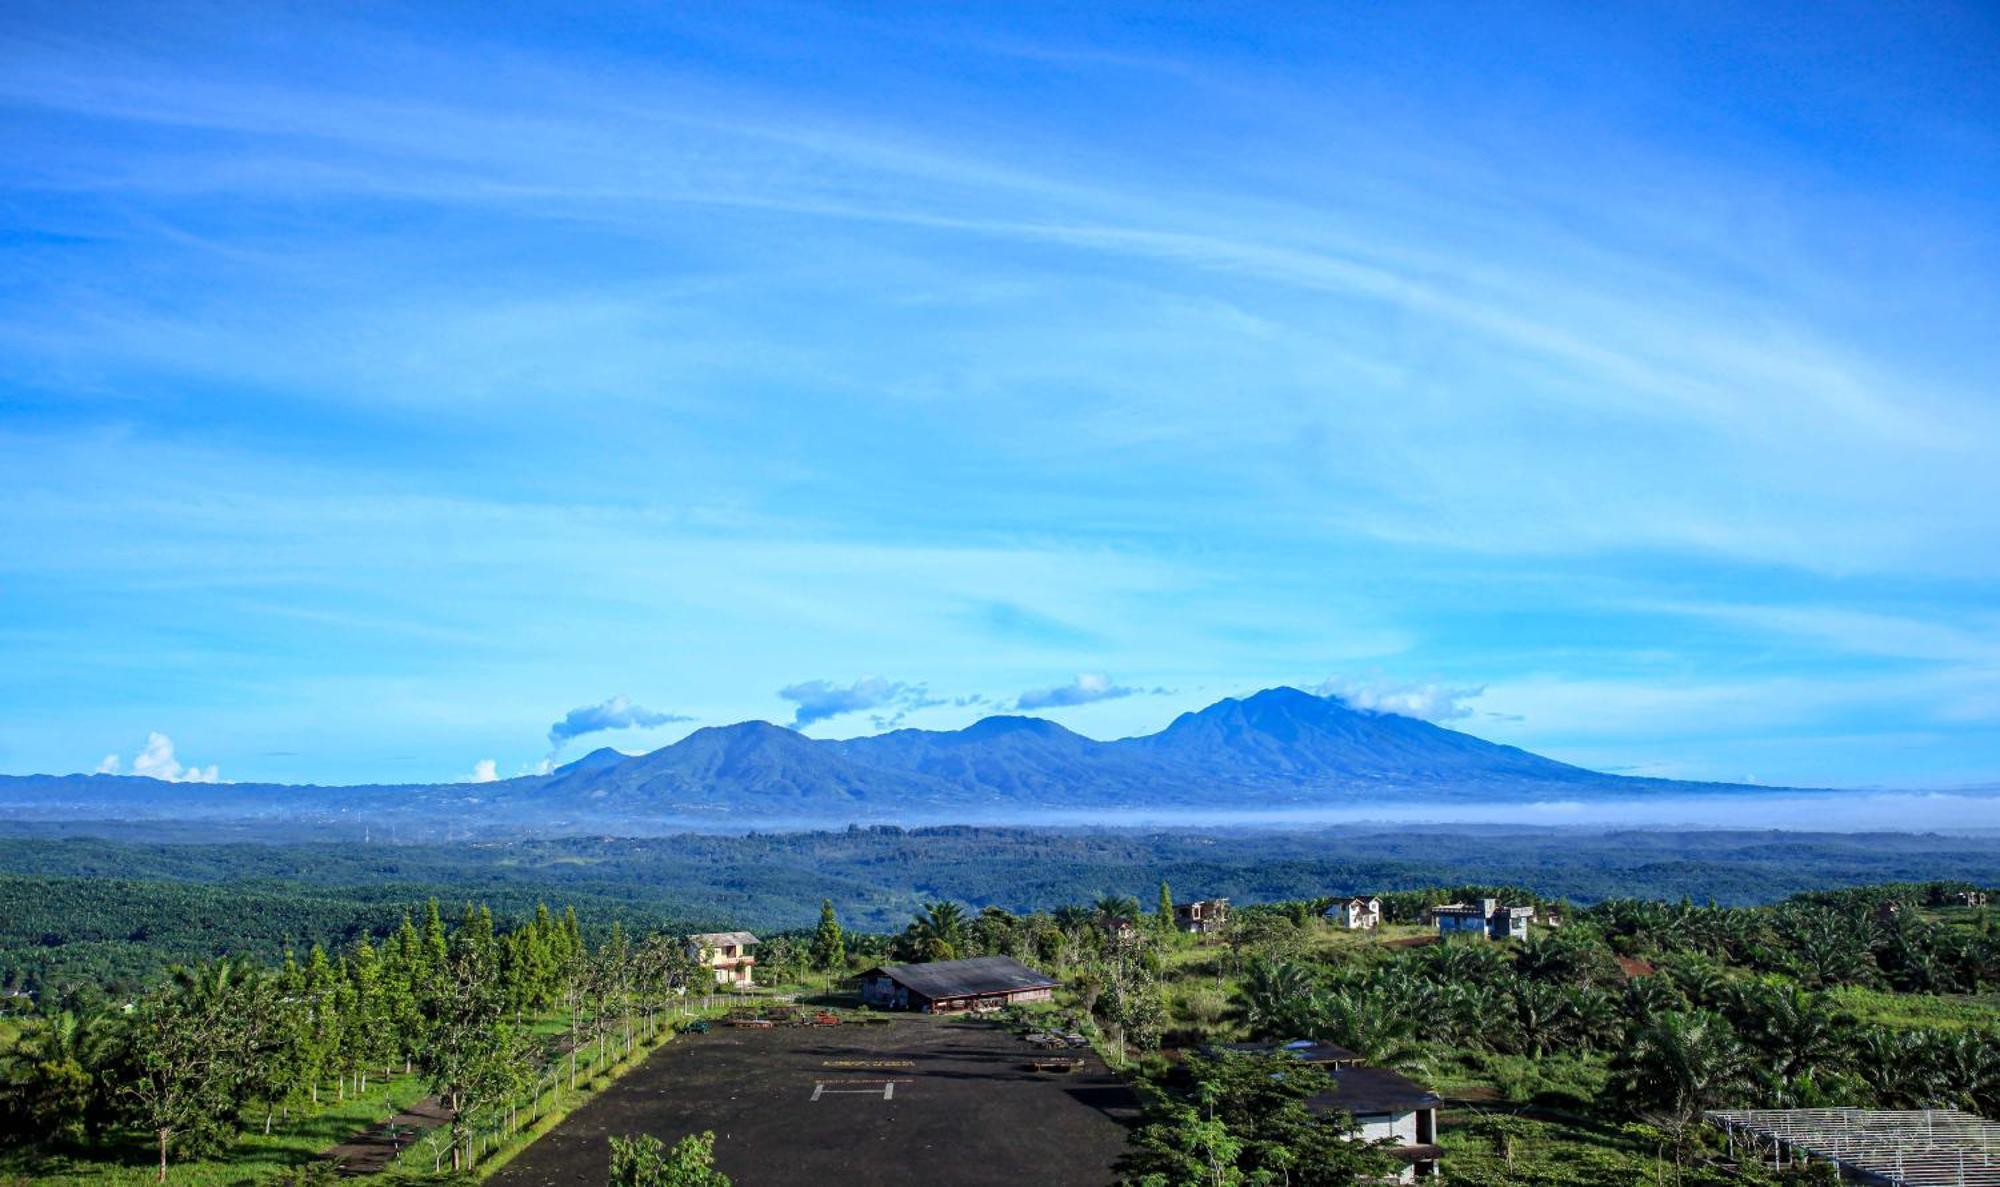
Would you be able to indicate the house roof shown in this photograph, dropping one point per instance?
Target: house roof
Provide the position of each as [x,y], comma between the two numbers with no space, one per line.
[719,939]
[1368,1090]
[978,977]
[1459,909]
[1478,911]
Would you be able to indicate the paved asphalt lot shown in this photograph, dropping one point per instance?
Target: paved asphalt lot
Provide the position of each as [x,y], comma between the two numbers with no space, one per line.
[919,1101]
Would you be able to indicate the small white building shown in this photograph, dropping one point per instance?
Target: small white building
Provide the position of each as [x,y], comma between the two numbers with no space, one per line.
[727,954]
[1386,1104]
[1356,914]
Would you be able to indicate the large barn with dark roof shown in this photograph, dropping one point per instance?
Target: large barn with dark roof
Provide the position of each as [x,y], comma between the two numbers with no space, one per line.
[943,986]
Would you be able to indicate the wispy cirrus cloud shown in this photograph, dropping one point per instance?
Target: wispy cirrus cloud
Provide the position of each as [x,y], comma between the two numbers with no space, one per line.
[1159,408]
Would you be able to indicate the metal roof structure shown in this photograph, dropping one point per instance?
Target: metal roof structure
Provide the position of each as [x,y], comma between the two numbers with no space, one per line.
[1372,1091]
[981,976]
[1894,1147]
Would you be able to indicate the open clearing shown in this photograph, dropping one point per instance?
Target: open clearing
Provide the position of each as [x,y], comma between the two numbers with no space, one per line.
[915,1101]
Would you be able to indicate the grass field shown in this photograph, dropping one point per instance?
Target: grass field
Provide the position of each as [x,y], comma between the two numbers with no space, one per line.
[1502,1149]
[1909,1010]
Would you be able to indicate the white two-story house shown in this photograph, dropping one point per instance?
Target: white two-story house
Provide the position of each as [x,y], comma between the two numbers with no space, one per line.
[1356,914]
[727,954]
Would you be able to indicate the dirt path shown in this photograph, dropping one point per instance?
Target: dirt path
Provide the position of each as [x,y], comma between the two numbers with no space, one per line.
[372,1149]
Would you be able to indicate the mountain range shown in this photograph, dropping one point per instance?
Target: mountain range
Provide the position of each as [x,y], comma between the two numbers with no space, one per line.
[1280,749]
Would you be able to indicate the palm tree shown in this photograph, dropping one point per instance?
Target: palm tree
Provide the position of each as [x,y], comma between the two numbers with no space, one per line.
[58,1038]
[46,1071]
[1968,1067]
[1933,1068]
[939,931]
[1116,912]
[1370,1026]
[1593,1016]
[1541,1012]
[1829,948]
[1118,916]
[1681,1064]
[1462,1012]
[1897,1067]
[1700,979]
[1796,1032]
[1276,998]
[1646,997]
[1462,963]
[1071,917]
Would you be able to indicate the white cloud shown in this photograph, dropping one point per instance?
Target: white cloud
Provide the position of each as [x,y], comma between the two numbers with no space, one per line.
[617,713]
[1428,702]
[817,700]
[1085,689]
[157,761]
[484,771]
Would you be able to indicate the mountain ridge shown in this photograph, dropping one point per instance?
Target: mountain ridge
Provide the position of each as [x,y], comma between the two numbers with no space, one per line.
[1281,748]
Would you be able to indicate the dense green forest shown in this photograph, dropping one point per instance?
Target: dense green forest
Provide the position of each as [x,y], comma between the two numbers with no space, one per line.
[65,934]
[91,910]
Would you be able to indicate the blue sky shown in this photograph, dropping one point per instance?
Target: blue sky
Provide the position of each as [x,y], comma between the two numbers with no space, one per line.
[404,392]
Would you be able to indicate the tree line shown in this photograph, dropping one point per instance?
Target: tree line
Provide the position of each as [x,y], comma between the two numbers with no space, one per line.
[220,1045]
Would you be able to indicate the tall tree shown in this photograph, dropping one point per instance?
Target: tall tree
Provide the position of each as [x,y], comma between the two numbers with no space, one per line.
[189,1048]
[469,1055]
[939,932]
[829,947]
